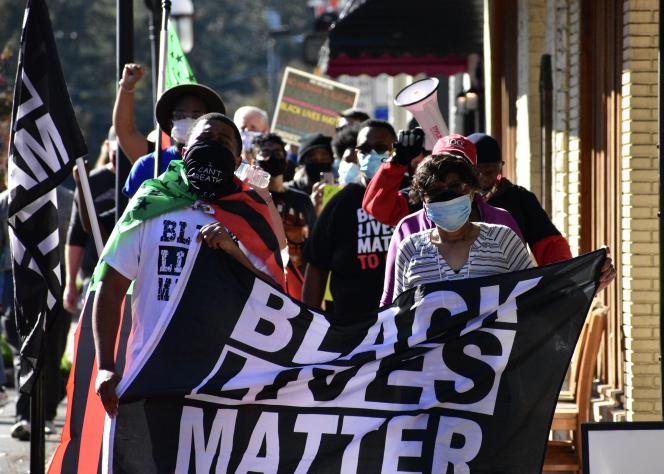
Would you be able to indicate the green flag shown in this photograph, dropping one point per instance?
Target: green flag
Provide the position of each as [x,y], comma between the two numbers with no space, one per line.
[178,70]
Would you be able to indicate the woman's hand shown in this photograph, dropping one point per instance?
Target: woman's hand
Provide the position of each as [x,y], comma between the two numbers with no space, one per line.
[216,237]
[607,273]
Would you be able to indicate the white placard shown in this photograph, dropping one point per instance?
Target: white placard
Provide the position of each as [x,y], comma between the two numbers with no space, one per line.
[624,448]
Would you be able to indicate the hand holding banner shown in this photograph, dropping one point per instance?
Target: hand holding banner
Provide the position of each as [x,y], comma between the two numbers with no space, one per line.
[462,373]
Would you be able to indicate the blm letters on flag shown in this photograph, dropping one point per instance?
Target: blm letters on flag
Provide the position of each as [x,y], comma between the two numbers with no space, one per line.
[454,377]
[45,141]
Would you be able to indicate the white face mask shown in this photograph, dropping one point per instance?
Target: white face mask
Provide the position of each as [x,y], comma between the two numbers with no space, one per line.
[348,172]
[181,129]
[248,139]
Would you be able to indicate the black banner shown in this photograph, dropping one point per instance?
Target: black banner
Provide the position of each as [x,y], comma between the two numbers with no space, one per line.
[454,377]
[44,144]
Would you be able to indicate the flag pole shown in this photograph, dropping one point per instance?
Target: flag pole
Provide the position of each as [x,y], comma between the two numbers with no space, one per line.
[161,73]
[124,55]
[89,205]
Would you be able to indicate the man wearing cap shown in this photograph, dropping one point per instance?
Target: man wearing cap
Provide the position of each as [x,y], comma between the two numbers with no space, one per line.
[542,236]
[456,145]
[351,117]
[315,157]
[159,232]
[176,111]
[346,241]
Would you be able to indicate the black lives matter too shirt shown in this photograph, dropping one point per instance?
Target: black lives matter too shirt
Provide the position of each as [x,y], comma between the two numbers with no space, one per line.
[352,245]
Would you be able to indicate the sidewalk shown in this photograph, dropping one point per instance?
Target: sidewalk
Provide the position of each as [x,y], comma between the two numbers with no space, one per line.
[14,454]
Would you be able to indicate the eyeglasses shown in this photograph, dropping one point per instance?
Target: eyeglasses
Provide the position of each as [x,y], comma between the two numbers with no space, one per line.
[180,115]
[442,192]
[366,149]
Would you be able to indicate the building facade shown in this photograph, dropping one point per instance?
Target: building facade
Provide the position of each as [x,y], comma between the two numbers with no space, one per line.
[571,94]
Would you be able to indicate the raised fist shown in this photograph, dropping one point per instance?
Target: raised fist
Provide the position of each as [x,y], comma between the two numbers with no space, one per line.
[131,74]
[409,144]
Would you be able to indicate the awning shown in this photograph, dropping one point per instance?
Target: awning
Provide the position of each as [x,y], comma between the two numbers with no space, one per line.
[433,37]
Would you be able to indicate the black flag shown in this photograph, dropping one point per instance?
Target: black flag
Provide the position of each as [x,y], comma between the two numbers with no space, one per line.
[44,145]
[457,376]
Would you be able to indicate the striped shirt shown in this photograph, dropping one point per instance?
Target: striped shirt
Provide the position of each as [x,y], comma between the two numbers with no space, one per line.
[497,249]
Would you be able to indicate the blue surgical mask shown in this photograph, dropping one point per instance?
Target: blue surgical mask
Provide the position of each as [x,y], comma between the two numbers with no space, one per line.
[450,215]
[370,162]
[348,172]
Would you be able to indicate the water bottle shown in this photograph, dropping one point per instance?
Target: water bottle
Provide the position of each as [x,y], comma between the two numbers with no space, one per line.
[254,176]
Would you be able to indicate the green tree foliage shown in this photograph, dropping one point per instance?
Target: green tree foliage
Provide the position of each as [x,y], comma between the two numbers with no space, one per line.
[229,55]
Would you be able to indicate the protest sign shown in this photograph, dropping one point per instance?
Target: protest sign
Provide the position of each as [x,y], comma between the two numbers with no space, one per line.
[310,104]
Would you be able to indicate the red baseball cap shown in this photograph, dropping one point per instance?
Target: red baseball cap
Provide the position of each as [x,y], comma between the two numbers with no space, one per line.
[456,144]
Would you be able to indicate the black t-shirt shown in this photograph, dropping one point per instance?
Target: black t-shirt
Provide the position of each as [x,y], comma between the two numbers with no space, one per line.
[102,187]
[350,243]
[300,181]
[526,210]
[298,216]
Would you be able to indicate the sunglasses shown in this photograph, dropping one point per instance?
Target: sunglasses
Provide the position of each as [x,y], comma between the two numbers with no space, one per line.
[366,149]
[451,191]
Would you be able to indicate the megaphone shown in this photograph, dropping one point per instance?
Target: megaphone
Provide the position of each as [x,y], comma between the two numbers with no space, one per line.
[420,99]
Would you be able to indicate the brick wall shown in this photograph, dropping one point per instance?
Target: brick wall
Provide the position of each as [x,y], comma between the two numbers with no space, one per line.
[573,229]
[531,34]
[639,175]
[562,42]
[640,202]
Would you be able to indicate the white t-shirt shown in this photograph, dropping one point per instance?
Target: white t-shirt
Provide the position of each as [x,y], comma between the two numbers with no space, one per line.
[153,255]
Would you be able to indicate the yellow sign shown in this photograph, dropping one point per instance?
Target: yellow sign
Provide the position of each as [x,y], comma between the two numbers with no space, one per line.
[310,104]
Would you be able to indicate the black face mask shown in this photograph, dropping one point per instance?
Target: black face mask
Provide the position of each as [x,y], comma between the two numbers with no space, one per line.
[210,170]
[314,170]
[273,165]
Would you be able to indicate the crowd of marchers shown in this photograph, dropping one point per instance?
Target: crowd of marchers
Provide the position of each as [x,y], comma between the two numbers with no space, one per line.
[356,218]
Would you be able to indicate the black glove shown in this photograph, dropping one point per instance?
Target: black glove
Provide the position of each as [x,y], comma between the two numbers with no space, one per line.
[410,144]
